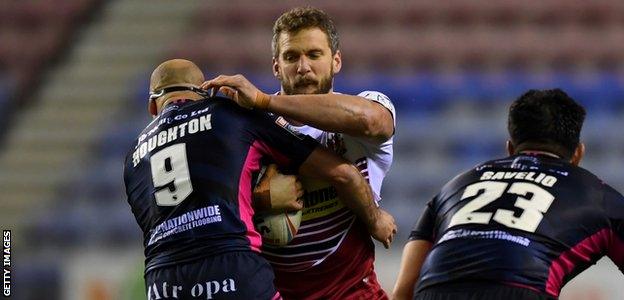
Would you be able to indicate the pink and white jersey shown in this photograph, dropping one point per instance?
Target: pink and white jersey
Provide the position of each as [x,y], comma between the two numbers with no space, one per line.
[329,230]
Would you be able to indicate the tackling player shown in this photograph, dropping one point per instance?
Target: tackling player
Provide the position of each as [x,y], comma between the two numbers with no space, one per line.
[189,178]
[332,256]
[520,227]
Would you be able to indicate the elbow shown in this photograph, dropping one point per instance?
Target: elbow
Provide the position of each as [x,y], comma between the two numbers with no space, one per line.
[344,175]
[375,126]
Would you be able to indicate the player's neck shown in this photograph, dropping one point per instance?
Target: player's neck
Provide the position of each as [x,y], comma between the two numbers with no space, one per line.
[181,97]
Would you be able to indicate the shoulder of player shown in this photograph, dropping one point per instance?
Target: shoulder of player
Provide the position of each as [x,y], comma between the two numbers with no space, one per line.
[381,99]
[613,193]
[378,97]
[611,202]
[216,102]
[374,95]
[224,106]
[588,178]
[602,194]
[609,192]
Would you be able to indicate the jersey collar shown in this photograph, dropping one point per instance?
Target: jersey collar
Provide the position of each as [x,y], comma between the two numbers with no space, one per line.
[539,153]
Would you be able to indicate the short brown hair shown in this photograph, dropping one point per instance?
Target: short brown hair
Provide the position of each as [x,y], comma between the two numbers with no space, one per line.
[301,18]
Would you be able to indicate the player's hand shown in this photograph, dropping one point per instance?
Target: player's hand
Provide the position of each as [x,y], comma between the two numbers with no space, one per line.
[277,192]
[384,228]
[239,89]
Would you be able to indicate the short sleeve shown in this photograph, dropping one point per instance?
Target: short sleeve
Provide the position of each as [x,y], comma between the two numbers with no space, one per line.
[424,227]
[381,99]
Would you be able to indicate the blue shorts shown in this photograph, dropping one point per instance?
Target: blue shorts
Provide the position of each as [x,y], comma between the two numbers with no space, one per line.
[233,275]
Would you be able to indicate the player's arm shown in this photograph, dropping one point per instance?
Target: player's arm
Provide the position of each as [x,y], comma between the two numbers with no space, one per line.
[353,115]
[414,254]
[352,189]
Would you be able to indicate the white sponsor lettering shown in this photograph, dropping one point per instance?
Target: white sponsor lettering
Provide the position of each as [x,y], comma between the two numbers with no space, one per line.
[167,291]
[196,218]
[212,288]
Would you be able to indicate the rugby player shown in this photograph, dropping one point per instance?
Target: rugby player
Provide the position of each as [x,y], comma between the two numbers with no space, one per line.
[332,256]
[519,227]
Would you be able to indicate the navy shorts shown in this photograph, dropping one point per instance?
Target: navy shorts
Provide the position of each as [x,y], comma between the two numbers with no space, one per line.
[479,291]
[233,275]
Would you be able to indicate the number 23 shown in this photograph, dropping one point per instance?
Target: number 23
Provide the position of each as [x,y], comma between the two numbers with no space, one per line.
[533,207]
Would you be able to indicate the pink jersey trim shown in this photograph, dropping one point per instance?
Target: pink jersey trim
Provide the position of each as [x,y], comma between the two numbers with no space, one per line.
[277,296]
[580,253]
[252,164]
[245,210]
[279,158]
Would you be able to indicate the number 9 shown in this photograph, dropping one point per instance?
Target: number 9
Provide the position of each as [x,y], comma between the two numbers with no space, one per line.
[171,176]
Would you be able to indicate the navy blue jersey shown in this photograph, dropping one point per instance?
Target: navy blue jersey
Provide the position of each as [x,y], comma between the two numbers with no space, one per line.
[532,221]
[189,178]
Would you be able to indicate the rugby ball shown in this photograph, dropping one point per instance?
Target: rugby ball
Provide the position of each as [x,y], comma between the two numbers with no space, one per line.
[278,229]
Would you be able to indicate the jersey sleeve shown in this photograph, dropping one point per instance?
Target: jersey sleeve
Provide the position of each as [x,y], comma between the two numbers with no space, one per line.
[424,227]
[614,206]
[381,99]
[273,138]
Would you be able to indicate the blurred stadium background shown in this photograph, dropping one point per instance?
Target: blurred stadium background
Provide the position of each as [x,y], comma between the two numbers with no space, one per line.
[74,80]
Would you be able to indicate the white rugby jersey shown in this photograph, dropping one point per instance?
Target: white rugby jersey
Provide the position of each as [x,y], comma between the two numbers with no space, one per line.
[325,220]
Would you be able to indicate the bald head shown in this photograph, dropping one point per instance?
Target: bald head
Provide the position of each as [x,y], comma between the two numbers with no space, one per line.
[176,72]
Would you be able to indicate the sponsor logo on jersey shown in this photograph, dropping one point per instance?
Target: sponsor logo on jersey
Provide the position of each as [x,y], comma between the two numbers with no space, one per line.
[204,290]
[313,198]
[489,234]
[281,122]
[192,219]
[319,199]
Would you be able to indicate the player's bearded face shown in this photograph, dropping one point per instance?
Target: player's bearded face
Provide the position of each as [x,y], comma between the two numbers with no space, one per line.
[308,85]
[305,64]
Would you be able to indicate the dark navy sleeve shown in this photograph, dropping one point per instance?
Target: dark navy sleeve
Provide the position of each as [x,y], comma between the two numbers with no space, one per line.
[287,148]
[614,207]
[424,228]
